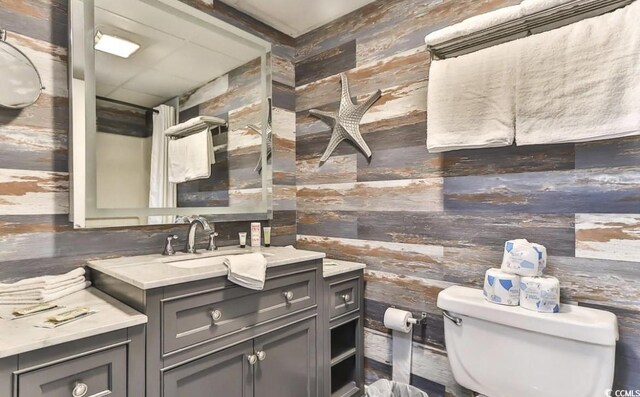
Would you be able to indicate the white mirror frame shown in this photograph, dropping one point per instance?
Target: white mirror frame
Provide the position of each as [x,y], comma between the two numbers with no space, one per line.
[84,212]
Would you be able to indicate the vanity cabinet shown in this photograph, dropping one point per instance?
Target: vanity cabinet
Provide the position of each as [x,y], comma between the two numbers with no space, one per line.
[279,364]
[210,337]
[344,334]
[102,365]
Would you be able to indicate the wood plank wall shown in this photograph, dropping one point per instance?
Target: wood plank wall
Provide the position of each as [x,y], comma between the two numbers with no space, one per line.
[423,222]
[35,235]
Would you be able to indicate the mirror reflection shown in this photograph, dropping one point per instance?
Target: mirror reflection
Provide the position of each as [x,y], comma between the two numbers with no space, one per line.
[181,110]
[20,85]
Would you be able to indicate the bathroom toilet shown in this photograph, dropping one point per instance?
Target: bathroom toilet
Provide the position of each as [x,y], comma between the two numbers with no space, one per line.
[506,351]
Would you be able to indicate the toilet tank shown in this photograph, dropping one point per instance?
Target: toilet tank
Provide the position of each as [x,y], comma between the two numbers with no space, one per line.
[507,351]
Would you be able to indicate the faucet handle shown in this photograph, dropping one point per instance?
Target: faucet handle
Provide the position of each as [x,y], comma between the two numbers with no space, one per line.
[212,241]
[168,247]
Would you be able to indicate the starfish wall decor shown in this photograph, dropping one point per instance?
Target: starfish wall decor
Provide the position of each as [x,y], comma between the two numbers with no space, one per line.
[346,120]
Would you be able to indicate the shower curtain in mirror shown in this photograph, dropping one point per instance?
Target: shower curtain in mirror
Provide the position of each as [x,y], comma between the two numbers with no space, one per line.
[162,194]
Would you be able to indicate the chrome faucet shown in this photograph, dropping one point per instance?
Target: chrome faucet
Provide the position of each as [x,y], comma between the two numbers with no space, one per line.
[190,246]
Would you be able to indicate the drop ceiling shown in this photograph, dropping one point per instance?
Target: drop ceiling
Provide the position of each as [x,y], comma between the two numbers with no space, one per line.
[175,57]
[296,17]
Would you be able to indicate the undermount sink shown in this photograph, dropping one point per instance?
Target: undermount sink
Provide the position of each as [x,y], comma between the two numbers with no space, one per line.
[196,260]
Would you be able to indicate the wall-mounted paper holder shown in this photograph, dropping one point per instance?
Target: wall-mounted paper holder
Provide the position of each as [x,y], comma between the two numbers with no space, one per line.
[419,321]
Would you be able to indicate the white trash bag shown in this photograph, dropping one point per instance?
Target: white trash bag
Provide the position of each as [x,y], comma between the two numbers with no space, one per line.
[386,388]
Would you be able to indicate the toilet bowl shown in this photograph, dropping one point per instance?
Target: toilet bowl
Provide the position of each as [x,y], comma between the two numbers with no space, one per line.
[505,351]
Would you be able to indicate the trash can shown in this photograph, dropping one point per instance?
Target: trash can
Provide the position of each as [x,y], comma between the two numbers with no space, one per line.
[386,388]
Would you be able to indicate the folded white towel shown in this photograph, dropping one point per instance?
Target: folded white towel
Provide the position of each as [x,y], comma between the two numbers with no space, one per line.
[580,82]
[43,282]
[49,288]
[190,158]
[249,270]
[46,296]
[471,100]
[194,124]
[474,24]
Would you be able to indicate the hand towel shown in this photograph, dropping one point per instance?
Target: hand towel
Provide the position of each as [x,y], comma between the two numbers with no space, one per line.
[580,82]
[45,297]
[248,270]
[471,100]
[190,158]
[42,281]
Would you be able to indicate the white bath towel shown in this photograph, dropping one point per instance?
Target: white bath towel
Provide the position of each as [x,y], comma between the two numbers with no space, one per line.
[44,296]
[193,125]
[580,82]
[474,24]
[190,158]
[471,100]
[249,270]
[43,282]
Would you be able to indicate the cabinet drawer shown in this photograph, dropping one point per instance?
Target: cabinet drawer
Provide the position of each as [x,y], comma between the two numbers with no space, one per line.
[188,320]
[103,374]
[344,297]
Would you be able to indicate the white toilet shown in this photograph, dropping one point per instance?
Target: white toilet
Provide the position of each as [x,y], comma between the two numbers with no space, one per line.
[507,351]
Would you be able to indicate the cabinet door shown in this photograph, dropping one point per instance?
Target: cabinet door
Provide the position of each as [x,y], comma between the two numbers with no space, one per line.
[288,367]
[223,374]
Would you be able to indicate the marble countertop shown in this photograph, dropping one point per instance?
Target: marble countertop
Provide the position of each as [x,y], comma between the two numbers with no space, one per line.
[111,315]
[154,271]
[334,267]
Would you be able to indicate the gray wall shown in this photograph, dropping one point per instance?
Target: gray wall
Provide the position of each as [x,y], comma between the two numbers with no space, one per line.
[422,221]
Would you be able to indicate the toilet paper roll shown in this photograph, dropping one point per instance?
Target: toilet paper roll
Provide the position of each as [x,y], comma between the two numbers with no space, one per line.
[502,288]
[398,320]
[402,336]
[541,294]
[524,258]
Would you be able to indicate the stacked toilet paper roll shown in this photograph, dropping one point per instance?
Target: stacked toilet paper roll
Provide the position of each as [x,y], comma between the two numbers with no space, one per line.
[524,258]
[502,288]
[541,294]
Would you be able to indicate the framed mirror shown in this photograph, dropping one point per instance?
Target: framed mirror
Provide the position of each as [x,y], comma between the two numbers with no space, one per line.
[170,115]
[20,85]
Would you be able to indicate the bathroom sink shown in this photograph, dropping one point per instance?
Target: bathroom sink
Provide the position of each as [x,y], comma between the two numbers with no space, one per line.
[197,260]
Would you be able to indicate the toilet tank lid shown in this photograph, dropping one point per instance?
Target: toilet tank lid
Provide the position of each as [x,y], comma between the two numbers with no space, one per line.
[572,322]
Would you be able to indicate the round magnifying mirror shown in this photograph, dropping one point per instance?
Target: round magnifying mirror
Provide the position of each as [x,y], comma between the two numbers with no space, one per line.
[20,84]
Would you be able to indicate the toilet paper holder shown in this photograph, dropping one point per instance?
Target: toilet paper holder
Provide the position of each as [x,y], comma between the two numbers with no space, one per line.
[422,320]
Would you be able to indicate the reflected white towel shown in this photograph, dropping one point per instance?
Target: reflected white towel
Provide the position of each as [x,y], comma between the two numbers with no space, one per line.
[471,100]
[194,124]
[249,270]
[44,296]
[580,82]
[43,282]
[190,158]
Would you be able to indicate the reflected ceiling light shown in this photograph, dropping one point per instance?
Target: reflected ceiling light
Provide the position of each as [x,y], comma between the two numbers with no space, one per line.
[115,45]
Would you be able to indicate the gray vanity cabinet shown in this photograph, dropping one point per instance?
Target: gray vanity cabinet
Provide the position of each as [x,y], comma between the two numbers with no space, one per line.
[225,374]
[213,338]
[279,364]
[288,364]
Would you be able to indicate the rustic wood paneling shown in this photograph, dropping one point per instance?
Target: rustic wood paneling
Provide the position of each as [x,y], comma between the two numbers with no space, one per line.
[114,118]
[608,236]
[579,200]
[328,63]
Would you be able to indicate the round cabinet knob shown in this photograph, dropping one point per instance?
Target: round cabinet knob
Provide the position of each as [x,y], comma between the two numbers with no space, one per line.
[261,355]
[252,359]
[216,315]
[288,295]
[346,297]
[80,390]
